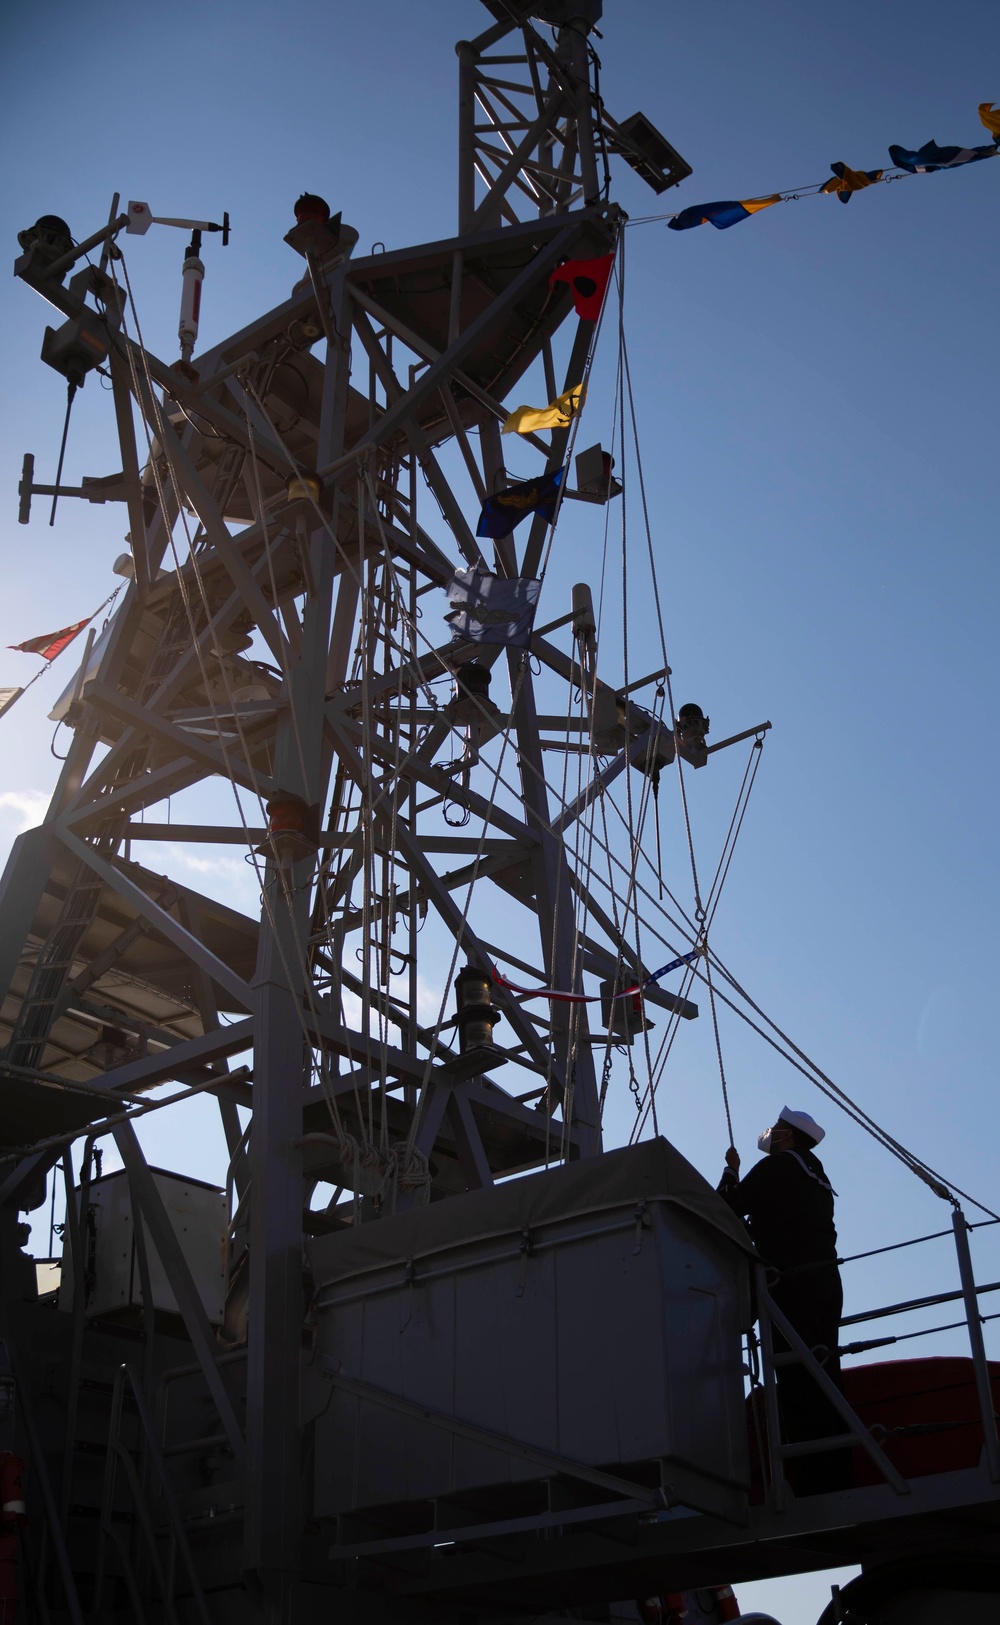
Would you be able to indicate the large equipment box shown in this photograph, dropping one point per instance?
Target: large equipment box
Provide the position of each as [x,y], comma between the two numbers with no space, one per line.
[197,1212]
[593,1312]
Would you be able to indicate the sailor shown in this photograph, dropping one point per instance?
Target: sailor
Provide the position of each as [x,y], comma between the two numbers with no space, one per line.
[787,1201]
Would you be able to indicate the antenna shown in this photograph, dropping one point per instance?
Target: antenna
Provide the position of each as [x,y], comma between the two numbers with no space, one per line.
[140,218]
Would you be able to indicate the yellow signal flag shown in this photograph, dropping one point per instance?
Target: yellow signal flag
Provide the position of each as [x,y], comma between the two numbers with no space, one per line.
[847,181]
[990,117]
[559,413]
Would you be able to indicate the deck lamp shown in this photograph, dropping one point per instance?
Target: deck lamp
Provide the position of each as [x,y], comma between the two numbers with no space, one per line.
[291,832]
[303,487]
[48,240]
[477,1015]
[316,230]
[692,725]
[472,693]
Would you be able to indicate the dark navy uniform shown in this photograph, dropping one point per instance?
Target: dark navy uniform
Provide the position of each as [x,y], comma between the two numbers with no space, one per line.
[787,1202]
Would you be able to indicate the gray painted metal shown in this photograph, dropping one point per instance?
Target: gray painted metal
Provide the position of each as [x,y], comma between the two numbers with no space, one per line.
[600,1322]
[164,1239]
[439,334]
[991,1444]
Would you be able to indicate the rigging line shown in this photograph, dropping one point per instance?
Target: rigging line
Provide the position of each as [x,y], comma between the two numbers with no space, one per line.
[420,634]
[572,1026]
[718,1051]
[185,598]
[585,841]
[689,929]
[633,901]
[607,505]
[582,837]
[354,571]
[649,926]
[699,910]
[580,912]
[388,918]
[826,1084]
[715,894]
[609,1043]
[618,248]
[689,924]
[689,971]
[294,717]
[630,826]
[718,881]
[840,1097]
[252,390]
[269,555]
[788,194]
[367,833]
[663,1055]
[411,1137]
[746,788]
[632,833]
[379,627]
[348,564]
[689,935]
[714,899]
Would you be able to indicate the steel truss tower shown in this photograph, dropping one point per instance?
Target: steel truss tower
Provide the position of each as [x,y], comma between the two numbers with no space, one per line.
[275,648]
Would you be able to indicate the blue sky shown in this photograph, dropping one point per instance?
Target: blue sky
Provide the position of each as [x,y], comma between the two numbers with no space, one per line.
[817,421]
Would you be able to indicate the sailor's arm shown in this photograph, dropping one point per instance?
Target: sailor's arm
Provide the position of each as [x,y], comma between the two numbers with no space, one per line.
[764,1179]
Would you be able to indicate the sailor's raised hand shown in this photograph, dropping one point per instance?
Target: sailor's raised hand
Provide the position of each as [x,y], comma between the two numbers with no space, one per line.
[733,1159]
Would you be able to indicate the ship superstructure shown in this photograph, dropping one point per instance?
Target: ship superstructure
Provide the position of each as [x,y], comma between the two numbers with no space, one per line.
[404,1404]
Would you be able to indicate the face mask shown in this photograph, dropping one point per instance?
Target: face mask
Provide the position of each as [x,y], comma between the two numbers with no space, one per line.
[764,1141]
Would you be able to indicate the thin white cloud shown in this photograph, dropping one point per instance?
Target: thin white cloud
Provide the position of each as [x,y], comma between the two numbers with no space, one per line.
[30,804]
[229,879]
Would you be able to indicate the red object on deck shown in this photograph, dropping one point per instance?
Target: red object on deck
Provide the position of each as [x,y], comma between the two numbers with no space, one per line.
[725,1601]
[937,1394]
[914,1393]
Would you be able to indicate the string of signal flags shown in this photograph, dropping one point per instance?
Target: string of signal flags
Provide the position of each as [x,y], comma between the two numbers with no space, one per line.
[844,182]
[588,283]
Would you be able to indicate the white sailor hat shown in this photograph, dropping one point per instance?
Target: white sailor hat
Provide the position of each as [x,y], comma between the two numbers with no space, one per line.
[803,1121]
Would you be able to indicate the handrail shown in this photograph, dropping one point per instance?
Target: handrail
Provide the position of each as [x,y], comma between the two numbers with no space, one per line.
[905,1337]
[984,1388]
[914,1303]
[118,1455]
[969,1294]
[855,1429]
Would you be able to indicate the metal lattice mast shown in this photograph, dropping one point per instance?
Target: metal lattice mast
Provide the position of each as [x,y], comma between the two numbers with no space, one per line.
[277,654]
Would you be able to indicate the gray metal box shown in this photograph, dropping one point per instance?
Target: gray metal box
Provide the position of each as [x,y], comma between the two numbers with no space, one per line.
[198,1214]
[593,1312]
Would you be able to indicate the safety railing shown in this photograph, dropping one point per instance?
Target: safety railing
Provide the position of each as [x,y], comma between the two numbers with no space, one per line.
[776,1449]
[161,1566]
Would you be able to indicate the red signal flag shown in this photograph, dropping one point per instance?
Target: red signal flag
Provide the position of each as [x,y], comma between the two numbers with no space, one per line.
[588,281]
[51,644]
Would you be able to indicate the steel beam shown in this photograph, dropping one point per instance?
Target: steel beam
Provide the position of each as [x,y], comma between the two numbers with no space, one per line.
[273,1525]
[159,919]
[164,1238]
